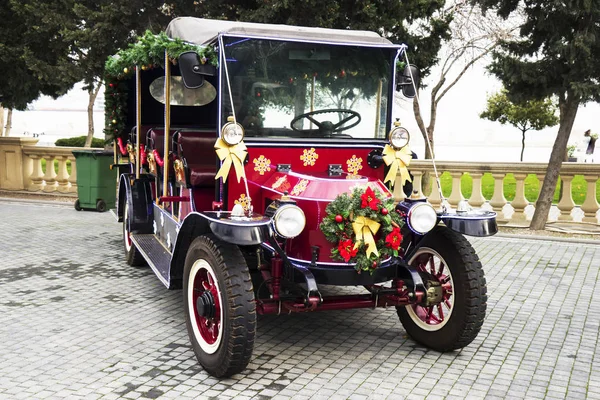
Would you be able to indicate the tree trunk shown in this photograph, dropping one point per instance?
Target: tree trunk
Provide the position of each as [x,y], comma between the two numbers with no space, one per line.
[522,146]
[8,122]
[426,133]
[93,93]
[568,111]
[1,120]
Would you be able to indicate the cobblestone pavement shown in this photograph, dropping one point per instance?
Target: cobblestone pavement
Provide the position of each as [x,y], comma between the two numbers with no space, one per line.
[77,322]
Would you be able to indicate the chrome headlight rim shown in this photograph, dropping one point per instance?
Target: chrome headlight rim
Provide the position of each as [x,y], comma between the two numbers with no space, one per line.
[421,210]
[399,137]
[278,220]
[232,133]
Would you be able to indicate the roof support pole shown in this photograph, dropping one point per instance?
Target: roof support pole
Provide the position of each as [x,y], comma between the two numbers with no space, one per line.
[167,124]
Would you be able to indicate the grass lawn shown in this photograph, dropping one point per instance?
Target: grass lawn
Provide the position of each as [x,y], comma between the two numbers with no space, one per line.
[532,187]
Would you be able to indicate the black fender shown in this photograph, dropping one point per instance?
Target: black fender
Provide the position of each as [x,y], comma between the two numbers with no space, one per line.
[241,233]
[193,226]
[478,223]
[138,193]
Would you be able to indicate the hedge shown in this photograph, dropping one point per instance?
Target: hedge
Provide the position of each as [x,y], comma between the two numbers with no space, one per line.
[79,141]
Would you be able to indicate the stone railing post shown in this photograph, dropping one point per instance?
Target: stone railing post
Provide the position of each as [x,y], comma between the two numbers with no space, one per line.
[63,176]
[566,203]
[13,162]
[519,202]
[73,176]
[435,198]
[36,178]
[590,206]
[498,201]
[476,199]
[418,183]
[456,194]
[50,175]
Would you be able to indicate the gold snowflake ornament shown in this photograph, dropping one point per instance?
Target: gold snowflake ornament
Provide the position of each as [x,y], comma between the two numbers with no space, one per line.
[354,165]
[243,201]
[262,164]
[300,187]
[309,156]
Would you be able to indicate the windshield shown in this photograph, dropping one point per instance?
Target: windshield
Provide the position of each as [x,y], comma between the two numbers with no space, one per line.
[289,89]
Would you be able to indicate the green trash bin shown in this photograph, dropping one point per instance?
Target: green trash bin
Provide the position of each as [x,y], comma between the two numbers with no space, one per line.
[96,180]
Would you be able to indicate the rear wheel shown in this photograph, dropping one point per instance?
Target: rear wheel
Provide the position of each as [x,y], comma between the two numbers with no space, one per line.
[78,205]
[219,306]
[132,254]
[457,293]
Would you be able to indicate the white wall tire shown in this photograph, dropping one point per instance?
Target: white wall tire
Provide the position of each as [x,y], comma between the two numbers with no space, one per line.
[208,331]
[466,292]
[219,306]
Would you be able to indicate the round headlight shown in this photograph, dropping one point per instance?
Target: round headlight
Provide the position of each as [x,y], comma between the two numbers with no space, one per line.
[232,133]
[289,221]
[399,137]
[422,218]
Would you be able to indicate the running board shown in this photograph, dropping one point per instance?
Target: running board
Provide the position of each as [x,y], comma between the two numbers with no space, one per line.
[157,255]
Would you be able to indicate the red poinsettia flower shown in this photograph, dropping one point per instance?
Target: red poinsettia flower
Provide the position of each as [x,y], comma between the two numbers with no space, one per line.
[393,239]
[369,199]
[346,249]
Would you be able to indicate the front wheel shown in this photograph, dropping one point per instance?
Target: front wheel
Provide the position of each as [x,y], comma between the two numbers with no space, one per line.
[457,293]
[219,305]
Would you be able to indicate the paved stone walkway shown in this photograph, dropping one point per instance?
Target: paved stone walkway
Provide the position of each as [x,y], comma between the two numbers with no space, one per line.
[77,322]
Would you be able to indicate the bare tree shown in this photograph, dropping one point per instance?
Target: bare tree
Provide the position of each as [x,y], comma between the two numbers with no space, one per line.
[473,37]
[8,125]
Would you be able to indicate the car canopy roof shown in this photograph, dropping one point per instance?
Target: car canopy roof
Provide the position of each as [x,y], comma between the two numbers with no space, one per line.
[204,31]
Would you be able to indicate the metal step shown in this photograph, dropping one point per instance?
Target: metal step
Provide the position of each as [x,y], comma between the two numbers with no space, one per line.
[157,255]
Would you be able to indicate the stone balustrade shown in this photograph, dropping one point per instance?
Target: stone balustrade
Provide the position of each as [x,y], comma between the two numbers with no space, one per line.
[21,167]
[519,210]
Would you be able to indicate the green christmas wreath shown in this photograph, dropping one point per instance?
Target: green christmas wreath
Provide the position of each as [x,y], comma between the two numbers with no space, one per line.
[365,227]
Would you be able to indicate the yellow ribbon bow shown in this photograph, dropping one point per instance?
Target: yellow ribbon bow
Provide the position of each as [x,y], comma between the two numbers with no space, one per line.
[364,229]
[397,160]
[235,155]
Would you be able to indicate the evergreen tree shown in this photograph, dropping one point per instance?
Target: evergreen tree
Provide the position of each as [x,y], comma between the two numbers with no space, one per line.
[558,54]
[34,53]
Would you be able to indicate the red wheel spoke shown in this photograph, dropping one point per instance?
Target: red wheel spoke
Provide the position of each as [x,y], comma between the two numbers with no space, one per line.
[429,314]
[441,270]
[440,312]
[448,304]
[432,265]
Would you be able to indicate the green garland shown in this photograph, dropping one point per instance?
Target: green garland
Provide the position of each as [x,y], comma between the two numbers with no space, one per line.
[345,211]
[147,52]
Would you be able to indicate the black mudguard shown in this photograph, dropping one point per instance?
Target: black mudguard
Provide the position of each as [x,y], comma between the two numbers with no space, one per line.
[139,195]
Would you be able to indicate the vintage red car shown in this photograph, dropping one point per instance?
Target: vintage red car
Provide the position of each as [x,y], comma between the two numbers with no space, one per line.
[260,167]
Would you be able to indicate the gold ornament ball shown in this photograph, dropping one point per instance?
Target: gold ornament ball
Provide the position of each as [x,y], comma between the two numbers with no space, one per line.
[143,67]
[114,121]
[125,70]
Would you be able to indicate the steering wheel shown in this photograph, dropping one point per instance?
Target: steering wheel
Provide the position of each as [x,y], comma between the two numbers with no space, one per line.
[327,128]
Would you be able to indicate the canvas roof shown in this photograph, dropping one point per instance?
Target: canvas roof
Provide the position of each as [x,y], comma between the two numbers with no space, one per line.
[204,31]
